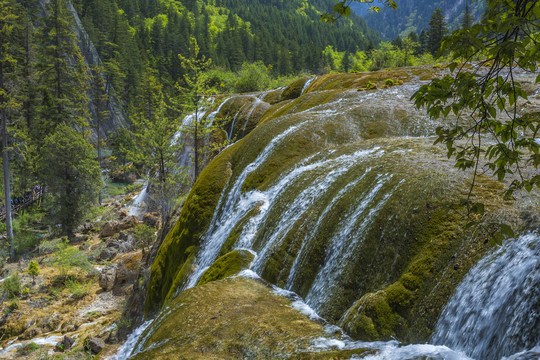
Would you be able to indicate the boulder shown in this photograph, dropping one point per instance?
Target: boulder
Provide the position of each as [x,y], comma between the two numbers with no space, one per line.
[152,219]
[65,344]
[123,213]
[109,229]
[94,344]
[128,222]
[107,277]
[108,253]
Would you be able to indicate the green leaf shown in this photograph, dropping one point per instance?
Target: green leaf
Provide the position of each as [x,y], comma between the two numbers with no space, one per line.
[506,230]
[477,208]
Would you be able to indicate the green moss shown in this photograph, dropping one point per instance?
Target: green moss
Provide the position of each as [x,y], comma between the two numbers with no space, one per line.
[194,218]
[294,90]
[227,265]
[231,319]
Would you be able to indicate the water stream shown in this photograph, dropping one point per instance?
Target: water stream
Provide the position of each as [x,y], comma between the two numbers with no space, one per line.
[495,311]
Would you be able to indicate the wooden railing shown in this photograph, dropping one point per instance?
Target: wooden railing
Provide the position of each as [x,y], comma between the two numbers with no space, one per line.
[36,195]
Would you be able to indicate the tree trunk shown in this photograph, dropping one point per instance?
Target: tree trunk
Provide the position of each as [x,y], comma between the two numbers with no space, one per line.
[196,141]
[5,163]
[7,187]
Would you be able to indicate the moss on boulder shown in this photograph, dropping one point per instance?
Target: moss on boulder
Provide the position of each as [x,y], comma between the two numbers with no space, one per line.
[234,318]
[230,264]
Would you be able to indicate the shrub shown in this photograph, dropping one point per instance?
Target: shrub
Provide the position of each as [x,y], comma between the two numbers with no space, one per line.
[252,77]
[12,286]
[27,349]
[144,235]
[370,86]
[48,247]
[68,257]
[11,307]
[76,289]
[33,270]
[389,82]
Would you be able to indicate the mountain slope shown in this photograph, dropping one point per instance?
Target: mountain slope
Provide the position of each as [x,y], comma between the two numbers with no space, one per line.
[414,15]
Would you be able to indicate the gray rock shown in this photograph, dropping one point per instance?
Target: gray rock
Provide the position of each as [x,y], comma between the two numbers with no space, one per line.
[109,229]
[95,345]
[108,253]
[107,277]
[65,344]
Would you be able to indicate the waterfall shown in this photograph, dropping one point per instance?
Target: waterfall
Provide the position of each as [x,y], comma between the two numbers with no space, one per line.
[138,208]
[307,84]
[231,210]
[346,241]
[495,311]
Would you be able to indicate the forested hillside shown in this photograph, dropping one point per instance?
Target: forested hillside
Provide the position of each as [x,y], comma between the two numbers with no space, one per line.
[414,15]
[135,36]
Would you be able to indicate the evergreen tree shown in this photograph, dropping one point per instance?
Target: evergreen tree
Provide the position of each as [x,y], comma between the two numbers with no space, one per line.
[8,101]
[467,21]
[100,99]
[64,74]
[71,174]
[192,94]
[156,148]
[423,39]
[346,62]
[437,30]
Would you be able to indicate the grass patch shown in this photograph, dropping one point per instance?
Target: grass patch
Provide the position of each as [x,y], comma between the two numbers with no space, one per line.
[113,189]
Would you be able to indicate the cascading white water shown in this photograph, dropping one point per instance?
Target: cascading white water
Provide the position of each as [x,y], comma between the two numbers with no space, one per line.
[229,211]
[307,84]
[138,208]
[495,311]
[346,241]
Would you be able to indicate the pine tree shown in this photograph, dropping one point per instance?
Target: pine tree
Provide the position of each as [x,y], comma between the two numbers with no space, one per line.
[64,78]
[71,173]
[8,101]
[156,148]
[437,30]
[346,62]
[100,100]
[467,21]
[192,94]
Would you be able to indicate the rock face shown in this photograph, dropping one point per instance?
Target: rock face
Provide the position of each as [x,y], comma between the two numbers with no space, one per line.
[345,202]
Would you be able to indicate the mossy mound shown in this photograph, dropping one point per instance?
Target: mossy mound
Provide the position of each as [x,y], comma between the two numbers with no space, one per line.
[390,214]
[235,318]
[294,90]
[240,114]
[227,265]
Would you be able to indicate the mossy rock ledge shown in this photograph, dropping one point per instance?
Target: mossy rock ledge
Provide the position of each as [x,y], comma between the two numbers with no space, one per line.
[229,264]
[407,248]
[234,318]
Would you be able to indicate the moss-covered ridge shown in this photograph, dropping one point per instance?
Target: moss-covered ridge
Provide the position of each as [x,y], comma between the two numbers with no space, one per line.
[235,318]
[227,265]
[396,274]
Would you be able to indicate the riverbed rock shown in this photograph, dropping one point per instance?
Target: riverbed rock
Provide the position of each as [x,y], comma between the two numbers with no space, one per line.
[109,229]
[107,277]
[108,254]
[127,223]
[94,344]
[152,219]
[65,344]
